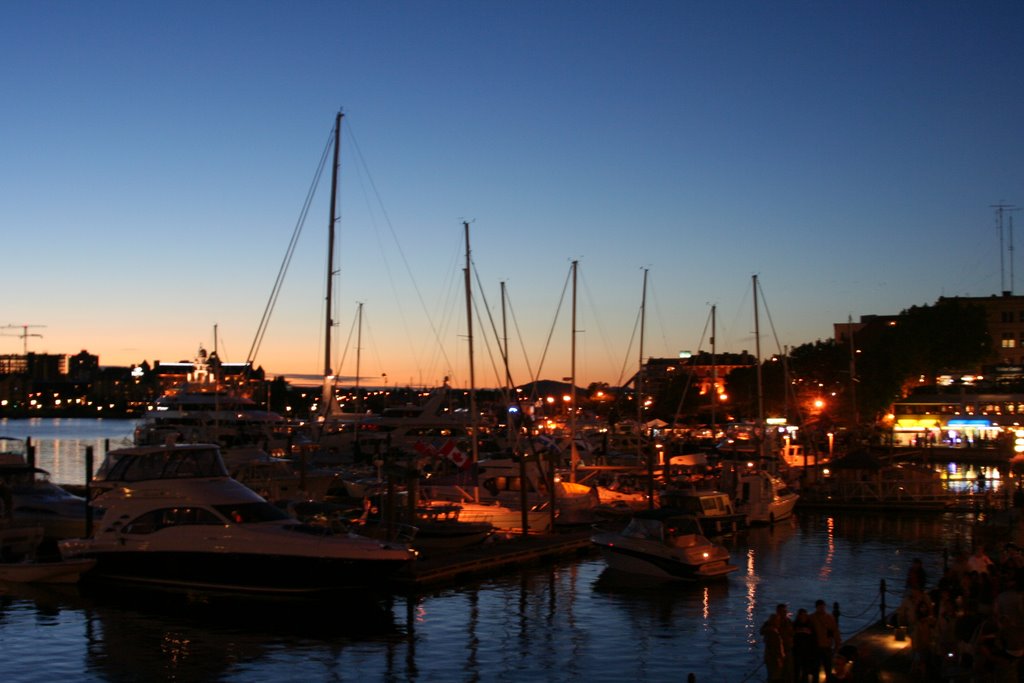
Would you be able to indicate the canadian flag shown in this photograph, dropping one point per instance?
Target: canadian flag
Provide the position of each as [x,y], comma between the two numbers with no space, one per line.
[427,450]
[450,450]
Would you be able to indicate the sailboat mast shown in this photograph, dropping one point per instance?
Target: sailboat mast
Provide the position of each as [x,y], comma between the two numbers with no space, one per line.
[574,454]
[331,224]
[714,374]
[760,389]
[359,355]
[469,334]
[510,395]
[640,402]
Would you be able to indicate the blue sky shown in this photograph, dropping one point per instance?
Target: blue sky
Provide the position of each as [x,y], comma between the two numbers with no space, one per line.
[156,156]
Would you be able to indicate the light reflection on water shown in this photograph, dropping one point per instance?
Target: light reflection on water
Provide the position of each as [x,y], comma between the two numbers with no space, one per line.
[572,620]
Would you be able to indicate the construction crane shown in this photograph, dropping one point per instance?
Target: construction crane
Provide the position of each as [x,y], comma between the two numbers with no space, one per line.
[24,334]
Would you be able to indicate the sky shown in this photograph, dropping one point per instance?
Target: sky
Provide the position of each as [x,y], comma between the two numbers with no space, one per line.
[155,159]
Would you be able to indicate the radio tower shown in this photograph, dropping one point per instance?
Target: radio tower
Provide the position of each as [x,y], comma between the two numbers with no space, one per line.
[1000,210]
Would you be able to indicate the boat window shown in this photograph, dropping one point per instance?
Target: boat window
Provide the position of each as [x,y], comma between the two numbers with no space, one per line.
[168,464]
[248,513]
[155,520]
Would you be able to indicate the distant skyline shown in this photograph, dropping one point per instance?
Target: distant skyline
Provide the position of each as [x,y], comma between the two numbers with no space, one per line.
[156,158]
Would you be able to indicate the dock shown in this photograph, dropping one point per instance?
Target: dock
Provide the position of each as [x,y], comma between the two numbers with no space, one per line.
[494,556]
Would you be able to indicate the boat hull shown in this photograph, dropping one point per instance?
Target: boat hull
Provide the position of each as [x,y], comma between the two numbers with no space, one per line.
[65,571]
[240,572]
[651,561]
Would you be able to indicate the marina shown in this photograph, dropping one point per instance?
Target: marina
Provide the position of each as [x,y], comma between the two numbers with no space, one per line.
[543,607]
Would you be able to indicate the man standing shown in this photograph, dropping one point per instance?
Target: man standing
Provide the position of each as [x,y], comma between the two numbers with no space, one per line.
[826,636]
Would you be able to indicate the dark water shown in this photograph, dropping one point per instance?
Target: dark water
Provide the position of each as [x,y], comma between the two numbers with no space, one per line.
[567,621]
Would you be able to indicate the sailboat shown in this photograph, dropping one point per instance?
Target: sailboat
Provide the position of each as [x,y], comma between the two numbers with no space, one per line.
[758,493]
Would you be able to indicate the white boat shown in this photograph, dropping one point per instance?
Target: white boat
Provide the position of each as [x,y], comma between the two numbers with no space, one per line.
[20,561]
[501,517]
[29,498]
[715,510]
[763,497]
[174,519]
[664,544]
[500,481]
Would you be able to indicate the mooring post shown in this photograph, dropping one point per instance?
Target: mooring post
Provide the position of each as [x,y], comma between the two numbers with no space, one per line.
[881,591]
[88,492]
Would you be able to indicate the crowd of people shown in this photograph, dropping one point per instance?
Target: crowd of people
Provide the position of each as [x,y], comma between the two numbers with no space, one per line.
[799,649]
[970,621]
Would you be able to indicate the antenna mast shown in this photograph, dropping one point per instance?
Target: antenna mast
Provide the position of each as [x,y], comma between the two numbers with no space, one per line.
[1000,210]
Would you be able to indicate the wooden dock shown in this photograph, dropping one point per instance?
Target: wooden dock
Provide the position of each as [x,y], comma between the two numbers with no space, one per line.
[494,556]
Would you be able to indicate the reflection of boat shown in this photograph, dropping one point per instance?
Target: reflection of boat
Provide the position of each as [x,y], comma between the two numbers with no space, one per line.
[664,544]
[174,519]
[20,561]
[29,498]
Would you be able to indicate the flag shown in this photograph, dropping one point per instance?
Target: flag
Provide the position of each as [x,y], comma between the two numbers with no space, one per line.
[451,451]
[424,449]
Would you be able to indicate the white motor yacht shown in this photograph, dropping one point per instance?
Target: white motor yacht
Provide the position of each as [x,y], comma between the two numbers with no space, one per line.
[174,519]
[29,498]
[664,544]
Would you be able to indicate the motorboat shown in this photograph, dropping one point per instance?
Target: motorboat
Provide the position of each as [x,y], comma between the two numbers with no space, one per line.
[664,544]
[500,481]
[433,530]
[760,495]
[21,562]
[174,519]
[502,517]
[29,498]
[715,510]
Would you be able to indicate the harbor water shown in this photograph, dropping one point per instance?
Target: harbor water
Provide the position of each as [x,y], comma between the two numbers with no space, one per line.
[566,620]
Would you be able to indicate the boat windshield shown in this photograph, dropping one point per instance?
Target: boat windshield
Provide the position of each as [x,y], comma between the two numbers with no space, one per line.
[165,464]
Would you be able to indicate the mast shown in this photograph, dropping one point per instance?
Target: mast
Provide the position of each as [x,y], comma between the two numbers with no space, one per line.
[469,335]
[714,375]
[331,224]
[760,388]
[574,454]
[853,371]
[509,391]
[640,401]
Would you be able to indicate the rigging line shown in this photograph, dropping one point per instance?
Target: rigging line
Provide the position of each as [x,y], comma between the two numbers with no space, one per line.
[522,343]
[366,179]
[498,376]
[600,329]
[487,342]
[768,314]
[551,332]
[372,344]
[790,390]
[657,310]
[289,252]
[629,351]
[348,345]
[398,245]
[689,375]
